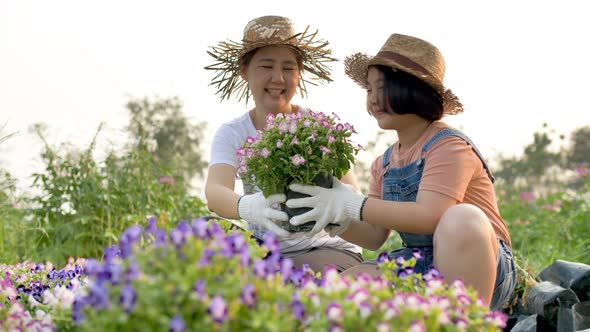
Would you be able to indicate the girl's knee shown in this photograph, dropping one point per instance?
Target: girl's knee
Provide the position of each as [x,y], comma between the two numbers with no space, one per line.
[463,223]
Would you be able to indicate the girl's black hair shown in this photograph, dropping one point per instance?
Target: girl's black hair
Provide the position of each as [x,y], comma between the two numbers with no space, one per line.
[407,94]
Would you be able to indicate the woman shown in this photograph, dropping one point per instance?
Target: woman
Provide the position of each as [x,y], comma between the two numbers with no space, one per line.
[432,186]
[268,65]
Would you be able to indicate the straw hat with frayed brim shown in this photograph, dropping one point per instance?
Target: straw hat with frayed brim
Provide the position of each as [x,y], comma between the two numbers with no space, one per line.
[268,31]
[411,55]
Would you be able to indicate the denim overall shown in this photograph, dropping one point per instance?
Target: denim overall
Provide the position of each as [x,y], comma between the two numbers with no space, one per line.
[401,185]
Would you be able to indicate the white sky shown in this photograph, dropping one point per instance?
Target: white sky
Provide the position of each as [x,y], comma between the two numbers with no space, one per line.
[73,64]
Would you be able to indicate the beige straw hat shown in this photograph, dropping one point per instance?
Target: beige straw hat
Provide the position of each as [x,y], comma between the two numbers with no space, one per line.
[411,55]
[266,31]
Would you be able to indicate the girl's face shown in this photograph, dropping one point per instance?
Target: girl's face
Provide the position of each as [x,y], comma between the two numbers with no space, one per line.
[379,109]
[273,78]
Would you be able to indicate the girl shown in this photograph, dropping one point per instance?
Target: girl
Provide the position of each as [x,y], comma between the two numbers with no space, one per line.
[432,186]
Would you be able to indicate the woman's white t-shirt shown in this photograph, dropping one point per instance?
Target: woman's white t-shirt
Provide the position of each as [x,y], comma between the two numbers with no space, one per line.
[226,142]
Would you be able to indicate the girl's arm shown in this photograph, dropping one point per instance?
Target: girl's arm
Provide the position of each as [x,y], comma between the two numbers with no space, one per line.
[420,217]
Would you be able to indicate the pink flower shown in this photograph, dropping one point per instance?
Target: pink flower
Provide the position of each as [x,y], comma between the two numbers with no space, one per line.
[165,179]
[527,196]
[298,160]
[324,149]
[334,312]
[265,152]
[583,170]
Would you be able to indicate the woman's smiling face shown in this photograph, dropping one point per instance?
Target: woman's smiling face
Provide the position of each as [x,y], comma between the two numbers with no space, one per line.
[273,77]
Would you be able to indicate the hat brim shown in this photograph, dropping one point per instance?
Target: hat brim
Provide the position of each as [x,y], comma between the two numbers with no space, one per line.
[356,66]
[227,54]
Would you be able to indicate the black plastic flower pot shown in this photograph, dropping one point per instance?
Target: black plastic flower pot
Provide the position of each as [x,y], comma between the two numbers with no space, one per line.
[322,180]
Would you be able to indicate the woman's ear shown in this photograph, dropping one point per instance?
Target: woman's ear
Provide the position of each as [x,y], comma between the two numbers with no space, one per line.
[243,73]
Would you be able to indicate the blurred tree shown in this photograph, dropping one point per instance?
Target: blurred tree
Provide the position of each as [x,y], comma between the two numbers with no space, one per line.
[533,164]
[175,141]
[580,147]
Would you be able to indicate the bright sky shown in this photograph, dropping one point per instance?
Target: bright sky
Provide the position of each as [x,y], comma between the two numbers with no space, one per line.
[72,64]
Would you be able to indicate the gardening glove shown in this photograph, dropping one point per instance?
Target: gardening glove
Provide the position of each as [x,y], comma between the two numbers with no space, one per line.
[257,210]
[338,205]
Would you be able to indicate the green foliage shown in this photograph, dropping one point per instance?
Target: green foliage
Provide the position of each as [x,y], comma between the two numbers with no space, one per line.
[84,205]
[546,227]
[13,242]
[177,141]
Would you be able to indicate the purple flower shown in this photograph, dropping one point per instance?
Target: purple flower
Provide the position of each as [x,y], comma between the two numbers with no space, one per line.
[199,227]
[271,242]
[128,298]
[260,268]
[177,324]
[52,274]
[417,253]
[237,243]
[406,271]
[111,253]
[286,268]
[248,295]
[245,258]
[131,234]
[152,224]
[297,309]
[206,258]
[432,274]
[217,309]
[383,257]
[98,296]
[297,277]
[200,289]
[132,271]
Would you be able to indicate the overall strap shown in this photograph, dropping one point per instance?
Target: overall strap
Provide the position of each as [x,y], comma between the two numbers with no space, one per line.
[453,132]
[387,156]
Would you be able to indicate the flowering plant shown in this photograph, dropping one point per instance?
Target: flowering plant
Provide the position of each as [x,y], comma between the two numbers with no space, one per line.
[205,277]
[39,297]
[296,147]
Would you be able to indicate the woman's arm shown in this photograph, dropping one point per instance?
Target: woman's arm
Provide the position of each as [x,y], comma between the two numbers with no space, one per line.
[219,191]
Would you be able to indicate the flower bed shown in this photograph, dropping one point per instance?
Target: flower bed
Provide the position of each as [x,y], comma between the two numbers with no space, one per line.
[203,276]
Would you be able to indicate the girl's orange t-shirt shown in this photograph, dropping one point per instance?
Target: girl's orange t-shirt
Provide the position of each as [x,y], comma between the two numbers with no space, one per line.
[451,168]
